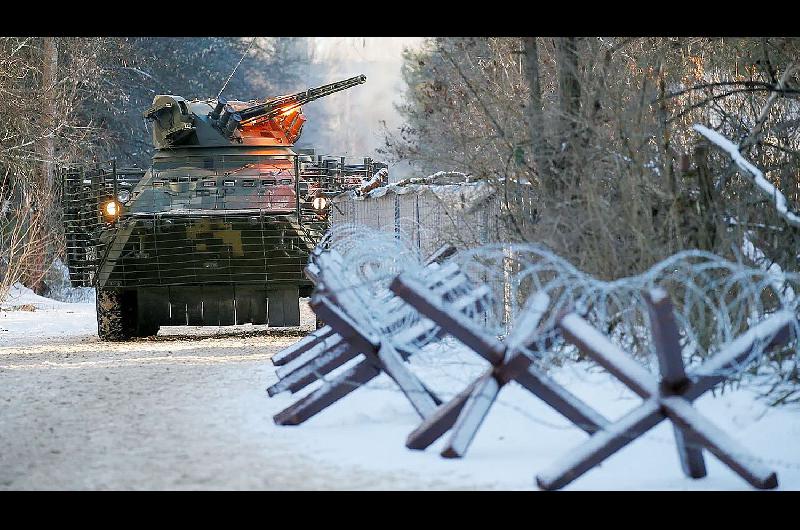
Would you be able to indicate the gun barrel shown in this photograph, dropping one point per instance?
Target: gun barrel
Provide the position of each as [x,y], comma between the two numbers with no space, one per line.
[271,108]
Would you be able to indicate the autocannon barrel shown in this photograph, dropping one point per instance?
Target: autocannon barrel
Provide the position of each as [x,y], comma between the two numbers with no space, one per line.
[273,107]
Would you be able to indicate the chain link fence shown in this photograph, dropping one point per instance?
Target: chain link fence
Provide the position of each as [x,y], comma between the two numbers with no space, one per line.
[428,212]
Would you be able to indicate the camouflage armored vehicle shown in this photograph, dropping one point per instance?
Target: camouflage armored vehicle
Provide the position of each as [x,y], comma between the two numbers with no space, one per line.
[218,230]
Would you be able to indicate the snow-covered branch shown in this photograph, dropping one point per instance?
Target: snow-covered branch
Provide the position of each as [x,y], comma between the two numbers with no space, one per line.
[764,114]
[756,174]
[378,179]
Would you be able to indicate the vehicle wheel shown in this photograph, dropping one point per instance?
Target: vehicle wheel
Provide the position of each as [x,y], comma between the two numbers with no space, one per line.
[114,316]
[147,329]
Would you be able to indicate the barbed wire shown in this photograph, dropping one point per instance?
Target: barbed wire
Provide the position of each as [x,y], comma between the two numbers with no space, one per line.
[715,301]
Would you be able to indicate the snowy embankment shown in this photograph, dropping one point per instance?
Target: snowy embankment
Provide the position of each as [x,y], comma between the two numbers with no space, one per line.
[356,443]
[26,315]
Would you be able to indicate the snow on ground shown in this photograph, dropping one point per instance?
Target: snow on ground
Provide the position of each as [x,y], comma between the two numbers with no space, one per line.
[188,410]
[50,318]
[522,436]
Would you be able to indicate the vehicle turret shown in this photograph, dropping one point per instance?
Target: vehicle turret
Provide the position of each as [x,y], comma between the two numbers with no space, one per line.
[278,121]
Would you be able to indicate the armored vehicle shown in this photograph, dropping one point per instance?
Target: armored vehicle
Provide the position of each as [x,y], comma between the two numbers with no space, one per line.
[219,229]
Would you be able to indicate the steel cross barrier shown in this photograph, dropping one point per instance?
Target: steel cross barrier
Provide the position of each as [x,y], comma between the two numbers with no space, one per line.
[353,332]
[380,356]
[317,337]
[465,413]
[322,353]
[668,397]
[312,342]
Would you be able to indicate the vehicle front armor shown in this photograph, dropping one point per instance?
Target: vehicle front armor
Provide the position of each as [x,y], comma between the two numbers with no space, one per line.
[199,240]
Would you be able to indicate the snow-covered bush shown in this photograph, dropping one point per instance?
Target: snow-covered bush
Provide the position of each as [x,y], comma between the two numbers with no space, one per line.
[58,286]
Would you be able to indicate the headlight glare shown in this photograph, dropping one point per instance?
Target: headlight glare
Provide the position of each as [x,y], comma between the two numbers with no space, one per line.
[320,203]
[111,210]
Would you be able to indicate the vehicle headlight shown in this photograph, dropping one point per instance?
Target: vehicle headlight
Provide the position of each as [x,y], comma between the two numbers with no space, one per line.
[111,210]
[320,203]
[123,196]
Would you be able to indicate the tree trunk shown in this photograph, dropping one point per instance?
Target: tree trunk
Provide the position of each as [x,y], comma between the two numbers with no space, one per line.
[708,229]
[534,113]
[49,79]
[45,189]
[665,144]
[569,86]
[569,91]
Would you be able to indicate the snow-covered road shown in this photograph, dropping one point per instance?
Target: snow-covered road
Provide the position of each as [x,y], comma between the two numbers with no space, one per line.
[188,410]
